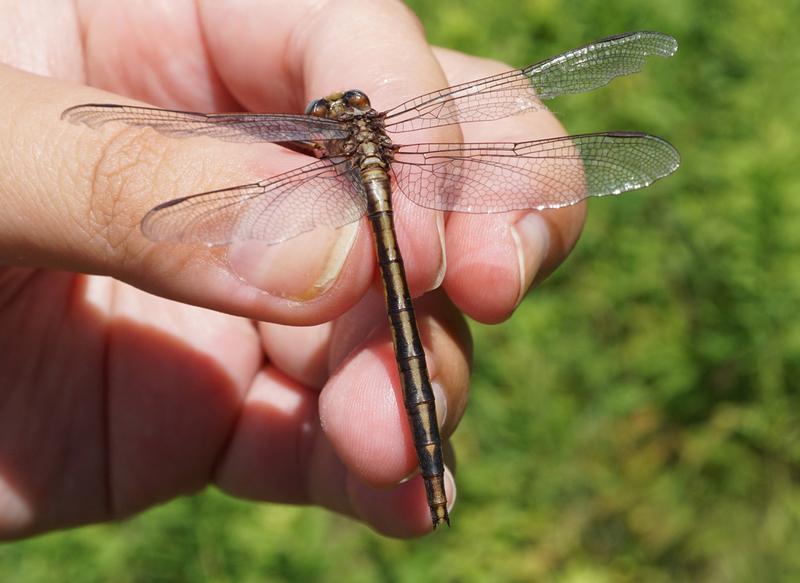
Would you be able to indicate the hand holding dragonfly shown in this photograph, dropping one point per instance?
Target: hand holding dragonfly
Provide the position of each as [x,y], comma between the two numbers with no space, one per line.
[178,367]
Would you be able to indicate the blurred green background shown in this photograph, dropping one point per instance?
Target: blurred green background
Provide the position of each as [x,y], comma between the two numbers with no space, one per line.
[643,402]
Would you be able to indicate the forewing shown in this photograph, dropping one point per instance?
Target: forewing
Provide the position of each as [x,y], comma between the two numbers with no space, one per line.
[512,92]
[230,127]
[318,194]
[550,173]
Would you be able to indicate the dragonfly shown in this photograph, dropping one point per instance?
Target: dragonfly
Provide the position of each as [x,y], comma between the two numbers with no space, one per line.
[357,168]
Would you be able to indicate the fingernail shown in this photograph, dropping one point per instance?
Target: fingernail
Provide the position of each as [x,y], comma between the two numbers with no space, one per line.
[443,262]
[410,475]
[300,269]
[441,403]
[532,240]
[451,495]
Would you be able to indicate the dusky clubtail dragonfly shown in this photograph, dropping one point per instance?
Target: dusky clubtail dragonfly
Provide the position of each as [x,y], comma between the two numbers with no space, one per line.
[357,162]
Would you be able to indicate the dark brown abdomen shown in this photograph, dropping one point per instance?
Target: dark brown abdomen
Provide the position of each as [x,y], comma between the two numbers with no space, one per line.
[412,368]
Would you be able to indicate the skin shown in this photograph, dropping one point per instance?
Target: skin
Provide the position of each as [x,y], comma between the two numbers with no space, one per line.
[132,373]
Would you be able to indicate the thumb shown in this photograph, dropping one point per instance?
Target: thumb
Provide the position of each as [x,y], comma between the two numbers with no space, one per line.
[73,198]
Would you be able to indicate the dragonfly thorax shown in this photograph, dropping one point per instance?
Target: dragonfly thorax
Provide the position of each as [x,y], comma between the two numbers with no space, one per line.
[368,144]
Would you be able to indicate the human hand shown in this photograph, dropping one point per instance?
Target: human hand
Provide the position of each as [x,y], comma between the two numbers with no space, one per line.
[113,399]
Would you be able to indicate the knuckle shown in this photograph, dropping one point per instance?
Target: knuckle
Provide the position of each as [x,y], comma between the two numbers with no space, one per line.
[120,176]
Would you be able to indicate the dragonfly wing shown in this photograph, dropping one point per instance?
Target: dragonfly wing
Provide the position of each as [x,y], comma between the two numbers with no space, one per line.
[576,71]
[230,127]
[596,64]
[319,194]
[541,174]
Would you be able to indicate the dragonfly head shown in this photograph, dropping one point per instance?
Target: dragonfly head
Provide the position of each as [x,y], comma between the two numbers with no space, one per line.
[338,105]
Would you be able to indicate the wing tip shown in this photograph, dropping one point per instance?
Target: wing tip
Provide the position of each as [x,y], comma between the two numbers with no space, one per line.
[149,225]
[667,44]
[75,114]
[670,153]
[84,113]
[153,228]
[67,114]
[663,44]
[157,226]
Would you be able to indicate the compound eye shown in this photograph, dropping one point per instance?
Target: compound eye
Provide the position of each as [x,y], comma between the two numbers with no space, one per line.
[357,99]
[318,108]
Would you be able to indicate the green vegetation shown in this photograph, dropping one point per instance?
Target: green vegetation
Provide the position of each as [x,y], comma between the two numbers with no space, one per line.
[643,404]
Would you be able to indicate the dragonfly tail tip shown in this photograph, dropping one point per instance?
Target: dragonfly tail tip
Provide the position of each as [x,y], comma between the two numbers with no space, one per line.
[438,515]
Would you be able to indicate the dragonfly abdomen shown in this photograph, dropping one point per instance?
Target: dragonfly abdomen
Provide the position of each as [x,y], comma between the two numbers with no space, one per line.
[410,356]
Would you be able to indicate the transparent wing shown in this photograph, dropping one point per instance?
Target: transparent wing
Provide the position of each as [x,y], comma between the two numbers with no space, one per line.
[231,127]
[550,173]
[318,194]
[499,96]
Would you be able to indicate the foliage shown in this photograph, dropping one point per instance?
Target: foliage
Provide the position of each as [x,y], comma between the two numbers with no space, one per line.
[637,419]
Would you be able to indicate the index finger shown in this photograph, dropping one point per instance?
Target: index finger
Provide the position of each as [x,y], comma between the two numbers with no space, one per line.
[107,180]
